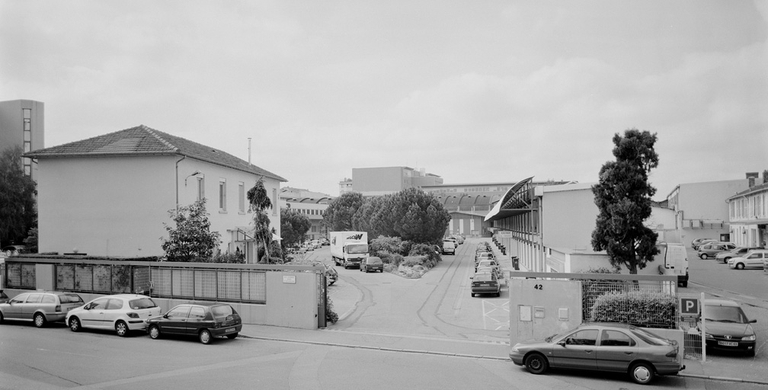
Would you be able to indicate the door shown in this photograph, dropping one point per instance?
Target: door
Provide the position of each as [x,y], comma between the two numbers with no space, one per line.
[577,351]
[616,351]
[112,312]
[13,310]
[175,320]
[93,316]
[30,305]
[196,320]
[754,260]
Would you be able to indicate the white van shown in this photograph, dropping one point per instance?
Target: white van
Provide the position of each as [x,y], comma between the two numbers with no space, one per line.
[449,247]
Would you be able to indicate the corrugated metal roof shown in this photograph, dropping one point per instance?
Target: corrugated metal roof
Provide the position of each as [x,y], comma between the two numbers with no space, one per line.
[141,141]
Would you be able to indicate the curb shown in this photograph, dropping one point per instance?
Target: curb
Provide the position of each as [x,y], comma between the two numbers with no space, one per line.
[724,379]
[460,355]
[414,351]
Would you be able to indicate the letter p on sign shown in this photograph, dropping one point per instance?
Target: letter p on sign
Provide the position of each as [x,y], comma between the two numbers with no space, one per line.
[689,306]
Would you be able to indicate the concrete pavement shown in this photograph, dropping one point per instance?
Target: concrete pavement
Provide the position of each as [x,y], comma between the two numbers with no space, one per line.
[696,373]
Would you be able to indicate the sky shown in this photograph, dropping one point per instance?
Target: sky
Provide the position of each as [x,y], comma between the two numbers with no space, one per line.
[473,91]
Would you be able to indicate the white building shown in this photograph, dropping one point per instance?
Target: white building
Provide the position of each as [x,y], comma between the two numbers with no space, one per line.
[111,195]
[748,213]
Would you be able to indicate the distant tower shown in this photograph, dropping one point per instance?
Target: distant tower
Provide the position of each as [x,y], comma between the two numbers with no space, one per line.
[22,123]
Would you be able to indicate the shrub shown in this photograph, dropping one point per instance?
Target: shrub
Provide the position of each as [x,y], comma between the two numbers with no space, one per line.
[432,257]
[330,315]
[412,261]
[383,244]
[640,308]
[591,289]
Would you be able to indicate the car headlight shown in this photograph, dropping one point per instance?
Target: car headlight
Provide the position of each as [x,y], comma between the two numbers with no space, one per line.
[748,338]
[709,336]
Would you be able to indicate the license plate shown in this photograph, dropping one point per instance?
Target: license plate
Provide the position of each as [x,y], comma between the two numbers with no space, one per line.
[728,343]
[229,330]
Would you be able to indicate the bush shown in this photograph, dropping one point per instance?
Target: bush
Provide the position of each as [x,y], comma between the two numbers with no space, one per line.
[412,261]
[432,257]
[640,308]
[591,289]
[382,244]
[330,315]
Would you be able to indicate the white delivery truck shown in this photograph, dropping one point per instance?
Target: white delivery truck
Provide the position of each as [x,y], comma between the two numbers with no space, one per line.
[671,260]
[349,248]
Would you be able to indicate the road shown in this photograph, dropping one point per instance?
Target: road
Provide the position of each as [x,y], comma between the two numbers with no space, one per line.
[382,307]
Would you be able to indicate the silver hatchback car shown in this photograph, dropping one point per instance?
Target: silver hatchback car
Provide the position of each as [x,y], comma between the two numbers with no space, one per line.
[40,307]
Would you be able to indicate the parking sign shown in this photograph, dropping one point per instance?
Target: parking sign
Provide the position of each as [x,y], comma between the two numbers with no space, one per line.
[689,306]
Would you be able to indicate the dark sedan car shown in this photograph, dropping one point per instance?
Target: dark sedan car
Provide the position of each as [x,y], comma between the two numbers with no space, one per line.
[486,283]
[728,328]
[205,320]
[602,347]
[372,264]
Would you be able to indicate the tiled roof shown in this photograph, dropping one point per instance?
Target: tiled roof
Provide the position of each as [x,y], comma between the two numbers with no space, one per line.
[751,190]
[142,140]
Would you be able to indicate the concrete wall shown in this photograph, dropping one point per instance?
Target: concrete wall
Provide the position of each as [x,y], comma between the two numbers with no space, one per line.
[292,305]
[568,213]
[549,297]
[706,201]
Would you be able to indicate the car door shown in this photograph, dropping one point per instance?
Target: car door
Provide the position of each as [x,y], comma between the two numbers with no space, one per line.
[112,312]
[577,350]
[93,316]
[30,305]
[175,321]
[14,307]
[197,320]
[754,260]
[616,351]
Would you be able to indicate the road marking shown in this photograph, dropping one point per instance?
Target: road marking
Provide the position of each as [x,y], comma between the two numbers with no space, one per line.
[490,307]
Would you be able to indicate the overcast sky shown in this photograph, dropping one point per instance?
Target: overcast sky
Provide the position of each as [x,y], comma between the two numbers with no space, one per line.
[473,91]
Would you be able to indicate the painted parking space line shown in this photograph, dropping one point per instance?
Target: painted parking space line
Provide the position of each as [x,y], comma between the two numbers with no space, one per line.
[495,315]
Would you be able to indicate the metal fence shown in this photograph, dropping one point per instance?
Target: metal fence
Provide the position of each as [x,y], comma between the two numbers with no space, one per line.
[205,281]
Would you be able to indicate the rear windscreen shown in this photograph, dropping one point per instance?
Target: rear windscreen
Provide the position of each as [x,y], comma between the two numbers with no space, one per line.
[70,298]
[223,310]
[142,303]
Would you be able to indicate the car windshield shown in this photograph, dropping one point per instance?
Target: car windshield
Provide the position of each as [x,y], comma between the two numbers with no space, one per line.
[725,314]
[70,298]
[374,260]
[357,249]
[142,303]
[649,337]
[484,278]
[222,311]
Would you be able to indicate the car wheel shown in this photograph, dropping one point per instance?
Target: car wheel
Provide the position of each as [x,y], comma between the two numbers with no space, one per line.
[536,363]
[205,336]
[154,332]
[121,328]
[39,320]
[704,256]
[641,373]
[232,336]
[740,266]
[74,324]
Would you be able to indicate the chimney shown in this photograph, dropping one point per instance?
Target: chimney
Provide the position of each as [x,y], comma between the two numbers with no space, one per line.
[765,176]
[751,176]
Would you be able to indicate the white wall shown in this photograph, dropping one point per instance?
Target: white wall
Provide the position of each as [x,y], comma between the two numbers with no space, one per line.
[116,206]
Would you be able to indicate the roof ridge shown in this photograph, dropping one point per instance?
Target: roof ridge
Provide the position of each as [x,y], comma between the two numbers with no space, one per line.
[154,132]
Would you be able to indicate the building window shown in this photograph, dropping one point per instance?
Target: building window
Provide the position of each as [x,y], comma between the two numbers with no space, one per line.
[241,197]
[200,188]
[27,125]
[223,195]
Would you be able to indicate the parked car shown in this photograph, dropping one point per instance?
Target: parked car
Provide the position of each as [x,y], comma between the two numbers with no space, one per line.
[602,347]
[483,256]
[459,239]
[122,313]
[449,247]
[695,243]
[489,263]
[39,307]
[204,320]
[372,263]
[13,250]
[486,283]
[727,327]
[713,248]
[736,252]
[752,259]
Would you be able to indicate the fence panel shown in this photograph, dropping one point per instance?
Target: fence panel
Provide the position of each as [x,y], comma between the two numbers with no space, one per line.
[83,278]
[183,283]
[229,285]
[254,286]
[161,282]
[65,277]
[102,278]
[205,284]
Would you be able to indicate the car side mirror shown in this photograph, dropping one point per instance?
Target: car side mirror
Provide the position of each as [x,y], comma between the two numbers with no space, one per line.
[753,321]
[471,277]
[165,315]
[87,307]
[561,343]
